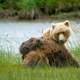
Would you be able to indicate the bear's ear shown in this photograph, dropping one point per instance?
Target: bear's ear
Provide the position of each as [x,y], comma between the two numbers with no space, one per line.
[66,23]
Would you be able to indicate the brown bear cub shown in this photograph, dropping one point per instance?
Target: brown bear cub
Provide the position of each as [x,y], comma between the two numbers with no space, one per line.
[49,49]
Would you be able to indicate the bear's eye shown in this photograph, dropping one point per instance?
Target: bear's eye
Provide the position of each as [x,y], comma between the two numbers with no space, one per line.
[57,34]
[53,26]
[63,32]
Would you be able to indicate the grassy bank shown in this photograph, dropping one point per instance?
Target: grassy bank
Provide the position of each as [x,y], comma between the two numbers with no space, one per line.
[11,69]
[34,9]
[22,73]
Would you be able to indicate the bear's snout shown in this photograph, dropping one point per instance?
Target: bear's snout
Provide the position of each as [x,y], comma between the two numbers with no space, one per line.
[61,38]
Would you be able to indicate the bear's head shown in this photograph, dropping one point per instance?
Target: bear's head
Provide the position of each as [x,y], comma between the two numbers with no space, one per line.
[59,32]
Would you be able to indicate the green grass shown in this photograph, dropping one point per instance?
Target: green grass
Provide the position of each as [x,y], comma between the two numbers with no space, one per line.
[11,69]
[9,58]
[16,72]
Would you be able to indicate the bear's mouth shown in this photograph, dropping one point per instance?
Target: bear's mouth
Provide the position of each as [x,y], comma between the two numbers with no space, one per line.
[61,41]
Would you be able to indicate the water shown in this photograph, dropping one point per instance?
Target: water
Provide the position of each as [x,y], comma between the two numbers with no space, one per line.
[13,33]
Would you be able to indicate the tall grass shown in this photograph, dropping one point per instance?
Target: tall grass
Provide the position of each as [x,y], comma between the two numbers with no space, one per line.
[9,57]
[11,69]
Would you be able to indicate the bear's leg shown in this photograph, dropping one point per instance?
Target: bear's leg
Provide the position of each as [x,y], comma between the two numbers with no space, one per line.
[70,59]
[33,58]
[62,58]
[56,59]
[44,61]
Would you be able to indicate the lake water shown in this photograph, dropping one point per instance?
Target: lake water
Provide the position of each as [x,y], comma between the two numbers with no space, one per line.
[13,33]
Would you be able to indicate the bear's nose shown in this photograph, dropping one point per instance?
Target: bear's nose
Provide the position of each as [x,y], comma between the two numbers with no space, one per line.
[61,37]
[61,41]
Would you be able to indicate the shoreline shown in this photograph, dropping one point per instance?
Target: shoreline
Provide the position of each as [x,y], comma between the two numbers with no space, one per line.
[60,16]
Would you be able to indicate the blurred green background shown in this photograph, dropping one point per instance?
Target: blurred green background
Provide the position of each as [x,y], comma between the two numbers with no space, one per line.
[34,9]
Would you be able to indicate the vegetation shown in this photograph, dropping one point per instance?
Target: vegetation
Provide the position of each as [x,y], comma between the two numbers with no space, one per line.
[7,58]
[23,73]
[11,69]
[31,9]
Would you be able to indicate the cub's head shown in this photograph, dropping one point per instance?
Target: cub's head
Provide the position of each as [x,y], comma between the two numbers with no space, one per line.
[59,32]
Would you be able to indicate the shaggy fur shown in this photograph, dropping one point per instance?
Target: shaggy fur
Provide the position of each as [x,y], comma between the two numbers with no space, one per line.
[48,49]
[47,52]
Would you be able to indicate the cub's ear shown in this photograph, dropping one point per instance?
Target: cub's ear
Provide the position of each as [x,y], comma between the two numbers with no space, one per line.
[67,23]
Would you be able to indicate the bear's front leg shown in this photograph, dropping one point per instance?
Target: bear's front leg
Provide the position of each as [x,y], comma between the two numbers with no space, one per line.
[70,59]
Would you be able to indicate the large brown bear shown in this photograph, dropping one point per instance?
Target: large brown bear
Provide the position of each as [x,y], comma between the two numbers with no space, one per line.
[50,48]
